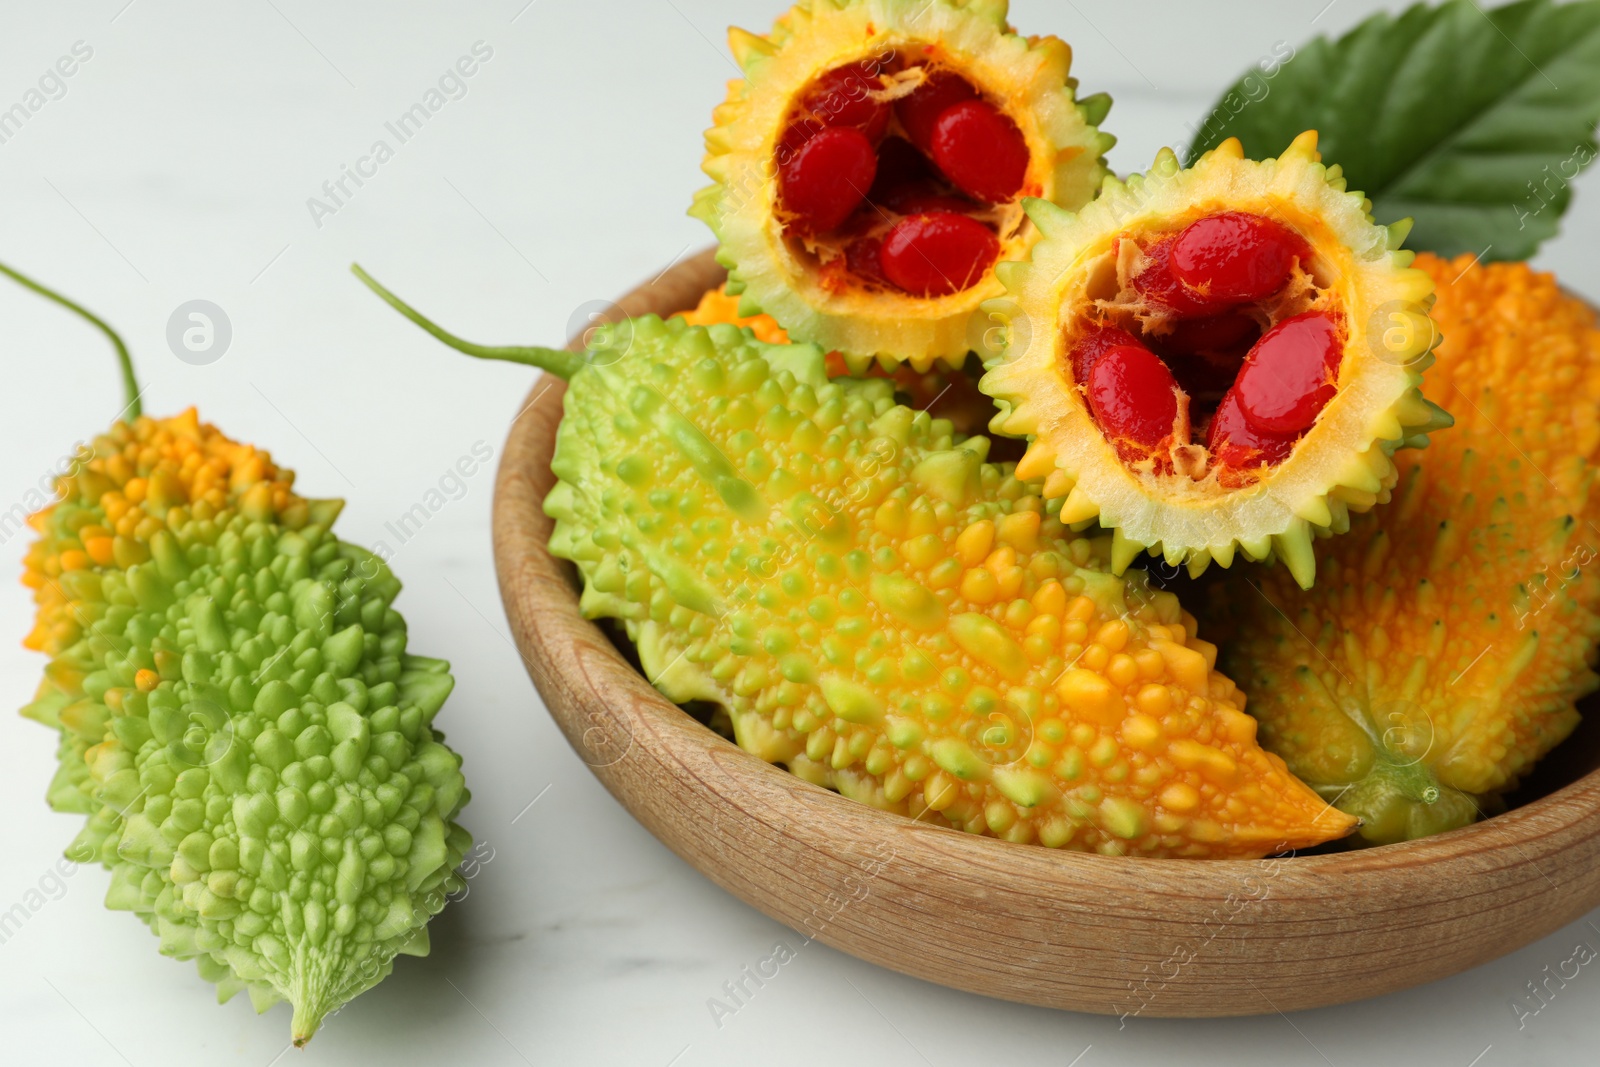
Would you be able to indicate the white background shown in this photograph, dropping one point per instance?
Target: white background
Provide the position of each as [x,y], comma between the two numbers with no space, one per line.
[177,166]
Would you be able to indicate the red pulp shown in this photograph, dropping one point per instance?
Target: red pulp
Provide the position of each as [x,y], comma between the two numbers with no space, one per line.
[1227,332]
[843,97]
[896,196]
[1157,284]
[1095,343]
[863,258]
[900,167]
[919,110]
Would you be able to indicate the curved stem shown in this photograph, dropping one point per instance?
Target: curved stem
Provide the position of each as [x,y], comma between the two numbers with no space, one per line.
[130,384]
[557,361]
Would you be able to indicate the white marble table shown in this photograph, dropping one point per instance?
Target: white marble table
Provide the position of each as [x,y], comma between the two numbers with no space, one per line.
[176,165]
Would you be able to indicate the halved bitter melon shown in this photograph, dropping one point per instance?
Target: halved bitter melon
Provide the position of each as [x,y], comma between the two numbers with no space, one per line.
[870,166]
[1216,358]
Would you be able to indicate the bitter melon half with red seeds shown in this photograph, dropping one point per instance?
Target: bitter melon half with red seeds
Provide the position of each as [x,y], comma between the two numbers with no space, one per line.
[1216,359]
[882,611]
[870,168]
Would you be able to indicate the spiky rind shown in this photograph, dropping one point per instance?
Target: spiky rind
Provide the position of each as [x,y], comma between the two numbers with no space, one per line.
[1342,465]
[1029,75]
[240,719]
[1450,634]
[883,612]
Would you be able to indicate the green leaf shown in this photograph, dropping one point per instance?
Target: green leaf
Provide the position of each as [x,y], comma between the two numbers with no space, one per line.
[1472,122]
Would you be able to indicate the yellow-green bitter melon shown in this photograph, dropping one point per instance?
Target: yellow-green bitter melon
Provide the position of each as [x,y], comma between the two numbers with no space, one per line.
[883,612]
[240,718]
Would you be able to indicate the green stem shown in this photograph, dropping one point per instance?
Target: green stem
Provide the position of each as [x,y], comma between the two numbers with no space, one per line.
[130,384]
[561,363]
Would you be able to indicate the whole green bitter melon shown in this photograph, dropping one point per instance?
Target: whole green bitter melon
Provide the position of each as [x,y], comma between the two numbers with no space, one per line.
[240,719]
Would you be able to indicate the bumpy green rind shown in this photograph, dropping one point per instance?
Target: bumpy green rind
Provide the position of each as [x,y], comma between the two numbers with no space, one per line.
[277,807]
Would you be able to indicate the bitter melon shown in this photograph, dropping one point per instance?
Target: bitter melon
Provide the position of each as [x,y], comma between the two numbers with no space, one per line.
[883,612]
[1450,633]
[240,719]
[869,168]
[1216,359]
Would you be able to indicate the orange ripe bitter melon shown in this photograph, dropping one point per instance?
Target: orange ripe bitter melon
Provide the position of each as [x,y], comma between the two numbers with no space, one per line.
[1450,633]
[880,610]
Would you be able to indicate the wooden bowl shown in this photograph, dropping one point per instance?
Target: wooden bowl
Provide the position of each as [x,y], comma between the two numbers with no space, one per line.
[1022,922]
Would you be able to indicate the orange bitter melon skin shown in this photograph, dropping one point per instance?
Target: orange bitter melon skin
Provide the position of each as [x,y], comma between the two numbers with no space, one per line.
[718,305]
[180,460]
[884,613]
[1450,634]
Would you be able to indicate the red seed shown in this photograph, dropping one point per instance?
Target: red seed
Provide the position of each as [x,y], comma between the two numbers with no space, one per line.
[981,150]
[938,254]
[1133,395]
[793,139]
[1155,282]
[1095,342]
[1236,257]
[863,258]
[1235,443]
[843,97]
[827,178]
[921,108]
[1289,375]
